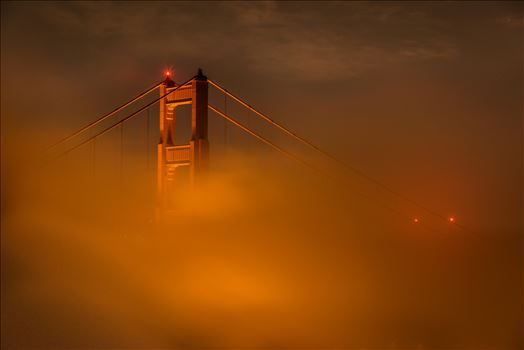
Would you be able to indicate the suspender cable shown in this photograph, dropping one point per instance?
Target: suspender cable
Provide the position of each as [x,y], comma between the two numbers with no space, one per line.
[92,154]
[121,171]
[147,143]
[93,158]
[109,128]
[225,125]
[104,117]
[93,188]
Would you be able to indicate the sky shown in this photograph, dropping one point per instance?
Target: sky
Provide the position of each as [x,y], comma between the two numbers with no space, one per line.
[386,86]
[425,97]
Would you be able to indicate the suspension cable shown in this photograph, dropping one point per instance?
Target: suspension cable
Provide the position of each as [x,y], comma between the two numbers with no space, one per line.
[104,117]
[109,128]
[324,153]
[299,160]
[259,137]
[262,115]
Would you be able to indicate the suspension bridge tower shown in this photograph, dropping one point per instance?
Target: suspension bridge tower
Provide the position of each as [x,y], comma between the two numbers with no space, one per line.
[172,156]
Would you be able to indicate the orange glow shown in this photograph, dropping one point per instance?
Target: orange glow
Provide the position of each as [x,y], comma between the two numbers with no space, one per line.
[451,219]
[416,220]
[168,73]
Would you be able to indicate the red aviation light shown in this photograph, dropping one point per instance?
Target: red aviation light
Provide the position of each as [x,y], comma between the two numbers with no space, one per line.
[451,220]
[168,74]
[416,220]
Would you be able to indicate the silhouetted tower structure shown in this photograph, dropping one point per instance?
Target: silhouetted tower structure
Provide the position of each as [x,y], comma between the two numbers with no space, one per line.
[171,155]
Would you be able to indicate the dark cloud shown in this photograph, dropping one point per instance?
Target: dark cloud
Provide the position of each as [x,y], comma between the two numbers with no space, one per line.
[308,41]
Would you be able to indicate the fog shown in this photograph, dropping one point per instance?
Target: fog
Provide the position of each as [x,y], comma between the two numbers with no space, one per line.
[264,254]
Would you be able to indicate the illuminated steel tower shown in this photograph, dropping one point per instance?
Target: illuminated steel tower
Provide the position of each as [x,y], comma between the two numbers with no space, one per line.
[171,156]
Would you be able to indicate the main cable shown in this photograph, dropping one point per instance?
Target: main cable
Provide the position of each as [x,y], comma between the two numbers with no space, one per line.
[299,160]
[259,137]
[104,117]
[324,153]
[123,120]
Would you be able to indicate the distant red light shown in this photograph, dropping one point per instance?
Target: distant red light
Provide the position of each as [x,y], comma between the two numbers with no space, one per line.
[168,73]
[416,220]
[451,219]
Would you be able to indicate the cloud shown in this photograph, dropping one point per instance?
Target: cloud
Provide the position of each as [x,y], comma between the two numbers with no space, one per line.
[297,41]
[309,41]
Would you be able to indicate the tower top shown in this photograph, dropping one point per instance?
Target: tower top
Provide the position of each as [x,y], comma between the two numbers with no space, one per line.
[168,82]
[200,75]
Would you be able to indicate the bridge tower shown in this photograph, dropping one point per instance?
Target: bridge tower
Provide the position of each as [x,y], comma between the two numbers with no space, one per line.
[172,156]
